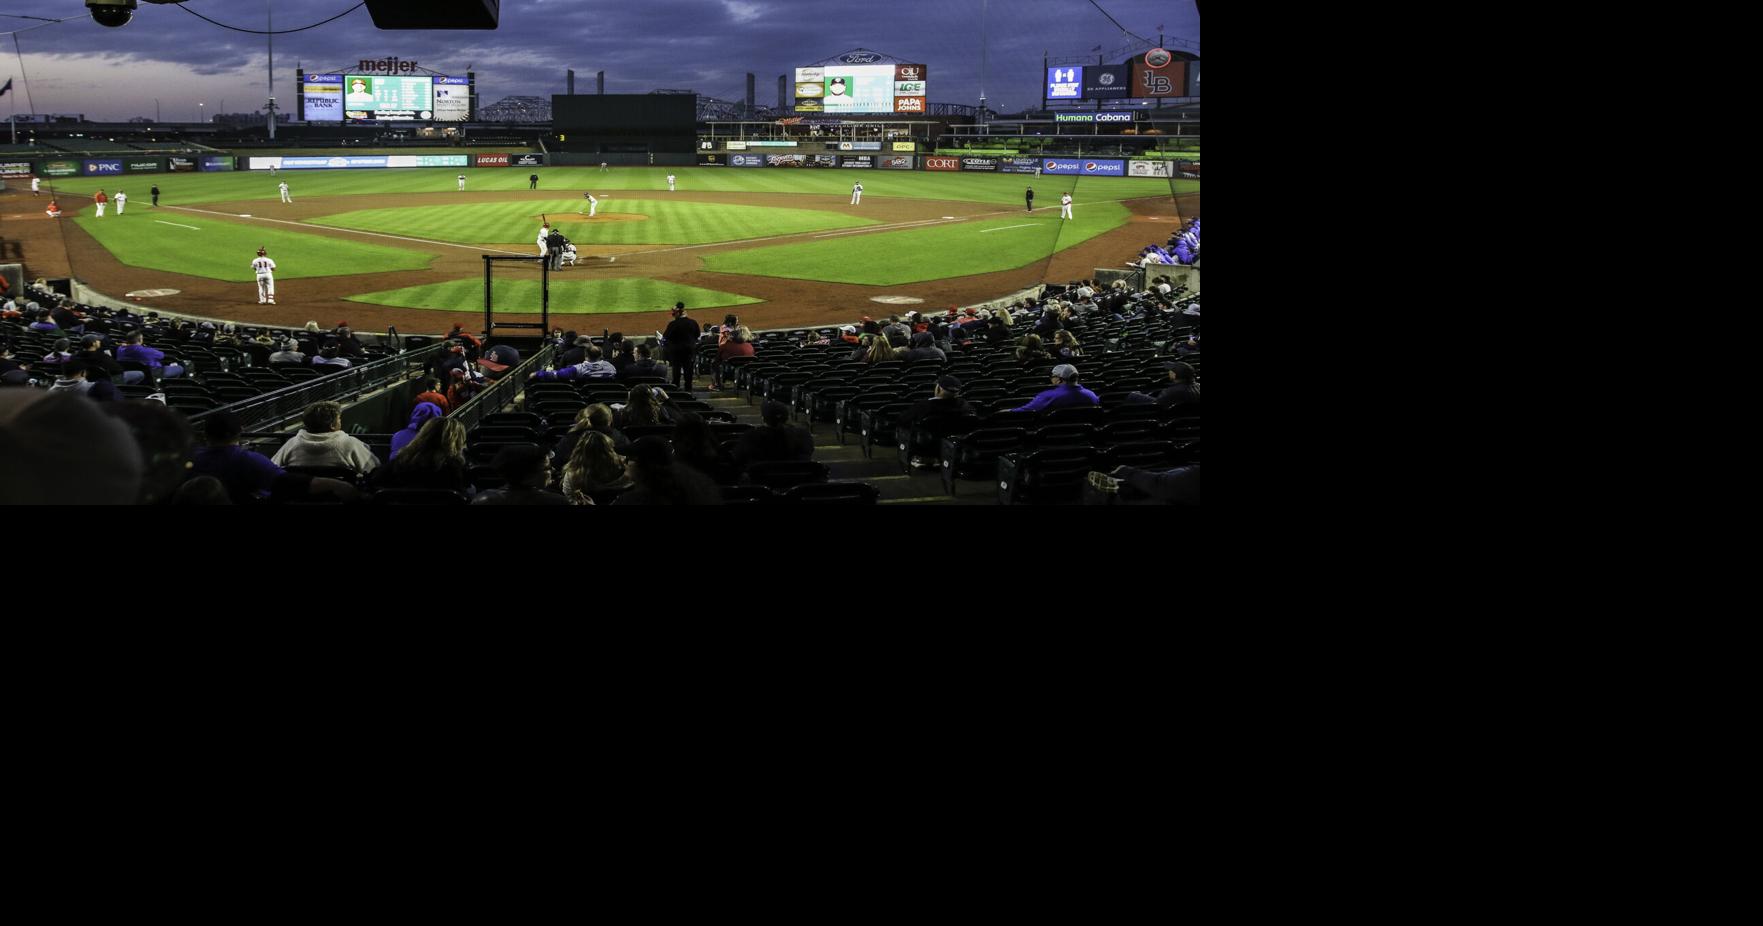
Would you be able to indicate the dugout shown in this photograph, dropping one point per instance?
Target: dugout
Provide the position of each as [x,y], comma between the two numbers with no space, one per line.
[623,128]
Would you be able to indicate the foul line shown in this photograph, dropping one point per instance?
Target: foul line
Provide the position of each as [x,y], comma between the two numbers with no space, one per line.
[352,231]
[190,227]
[986,231]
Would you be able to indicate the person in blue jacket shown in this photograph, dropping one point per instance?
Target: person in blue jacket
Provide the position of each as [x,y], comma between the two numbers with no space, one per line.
[419,416]
[1066,393]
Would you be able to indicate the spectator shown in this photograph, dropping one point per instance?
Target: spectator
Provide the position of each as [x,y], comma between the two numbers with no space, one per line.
[347,344]
[774,441]
[421,415]
[694,445]
[461,388]
[641,407]
[1179,485]
[523,466]
[201,490]
[946,400]
[165,443]
[1049,322]
[680,343]
[59,449]
[924,347]
[595,419]
[1066,348]
[645,365]
[433,459]
[101,366]
[321,442]
[591,368]
[737,343]
[290,353]
[499,360]
[1031,352]
[660,482]
[594,465]
[880,351]
[68,319]
[60,352]
[1066,393]
[42,322]
[431,392]
[135,348]
[622,353]
[329,356]
[245,474]
[1182,389]
[72,378]
[997,330]
[575,353]
[898,334]
[8,363]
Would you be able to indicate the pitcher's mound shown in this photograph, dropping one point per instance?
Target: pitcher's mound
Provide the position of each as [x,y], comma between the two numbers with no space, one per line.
[608,217]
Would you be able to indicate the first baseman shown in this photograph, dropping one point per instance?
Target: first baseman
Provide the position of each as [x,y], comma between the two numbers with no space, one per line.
[461,183]
[670,183]
[856,193]
[1065,206]
[265,270]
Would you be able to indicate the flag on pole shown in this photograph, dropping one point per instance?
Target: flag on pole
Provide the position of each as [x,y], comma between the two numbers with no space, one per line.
[1097,48]
[8,86]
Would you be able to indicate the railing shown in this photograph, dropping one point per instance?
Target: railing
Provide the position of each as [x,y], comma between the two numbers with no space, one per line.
[272,408]
[501,395]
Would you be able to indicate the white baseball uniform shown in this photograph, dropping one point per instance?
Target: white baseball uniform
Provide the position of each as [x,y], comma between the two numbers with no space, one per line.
[670,183]
[544,248]
[461,183]
[593,204]
[122,199]
[569,255]
[1065,206]
[856,193]
[36,184]
[265,270]
[285,197]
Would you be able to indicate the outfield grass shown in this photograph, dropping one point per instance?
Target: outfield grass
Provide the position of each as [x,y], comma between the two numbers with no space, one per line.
[435,184]
[929,253]
[517,222]
[568,297]
[178,242]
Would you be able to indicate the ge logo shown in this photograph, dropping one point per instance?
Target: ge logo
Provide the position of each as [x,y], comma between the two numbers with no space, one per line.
[1105,80]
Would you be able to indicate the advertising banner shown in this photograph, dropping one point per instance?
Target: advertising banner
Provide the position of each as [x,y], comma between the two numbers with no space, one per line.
[217,163]
[100,168]
[772,144]
[139,166]
[1065,83]
[320,163]
[807,105]
[1062,166]
[452,99]
[857,160]
[429,160]
[735,145]
[823,160]
[1114,117]
[15,168]
[786,160]
[182,164]
[262,163]
[712,159]
[60,168]
[896,162]
[910,104]
[746,160]
[323,96]
[1074,117]
[907,146]
[860,146]
[528,160]
[1150,169]
[1100,168]
[376,97]
[931,163]
[1107,82]
[916,72]
[1170,80]
[491,160]
[979,163]
[1019,165]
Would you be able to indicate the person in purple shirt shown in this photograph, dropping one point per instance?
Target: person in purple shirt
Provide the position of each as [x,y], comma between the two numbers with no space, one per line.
[247,474]
[1066,393]
[134,349]
[419,416]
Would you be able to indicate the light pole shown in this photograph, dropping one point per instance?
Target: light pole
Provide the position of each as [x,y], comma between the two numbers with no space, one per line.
[200,113]
[155,110]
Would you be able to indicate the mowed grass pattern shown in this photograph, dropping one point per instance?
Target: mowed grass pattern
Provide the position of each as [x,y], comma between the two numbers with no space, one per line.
[429,185]
[568,297]
[224,250]
[928,253]
[517,222]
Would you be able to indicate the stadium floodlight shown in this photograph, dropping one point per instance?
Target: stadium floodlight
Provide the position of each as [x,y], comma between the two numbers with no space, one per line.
[112,13]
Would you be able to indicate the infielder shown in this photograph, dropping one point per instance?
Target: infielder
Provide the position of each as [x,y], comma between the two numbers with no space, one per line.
[285,197]
[100,199]
[122,199]
[856,192]
[670,183]
[593,204]
[461,183]
[36,184]
[603,168]
[1065,206]
[265,270]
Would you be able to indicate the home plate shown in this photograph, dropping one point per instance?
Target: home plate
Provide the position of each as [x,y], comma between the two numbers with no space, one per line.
[896,300]
[152,293]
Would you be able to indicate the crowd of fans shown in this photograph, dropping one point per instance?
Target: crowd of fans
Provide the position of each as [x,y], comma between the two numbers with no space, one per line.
[1183,247]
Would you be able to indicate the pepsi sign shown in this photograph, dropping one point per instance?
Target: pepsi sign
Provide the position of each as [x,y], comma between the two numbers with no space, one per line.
[1059,166]
[1104,168]
[1065,83]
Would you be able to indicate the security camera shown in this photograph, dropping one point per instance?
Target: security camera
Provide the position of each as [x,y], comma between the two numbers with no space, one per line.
[112,13]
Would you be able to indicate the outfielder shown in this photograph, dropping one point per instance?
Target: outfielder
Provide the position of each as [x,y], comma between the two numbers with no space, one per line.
[265,270]
[285,197]
[593,204]
[100,199]
[1065,206]
[461,183]
[36,184]
[670,183]
[856,193]
[122,199]
[603,168]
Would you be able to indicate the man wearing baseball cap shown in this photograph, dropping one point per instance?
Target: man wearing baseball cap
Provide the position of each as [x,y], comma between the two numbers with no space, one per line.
[1066,393]
[679,343]
[946,401]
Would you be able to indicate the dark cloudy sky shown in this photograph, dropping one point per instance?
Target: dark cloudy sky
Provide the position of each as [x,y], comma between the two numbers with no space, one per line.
[703,45]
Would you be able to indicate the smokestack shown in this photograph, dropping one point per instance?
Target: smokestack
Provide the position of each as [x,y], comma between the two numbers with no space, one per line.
[600,83]
[572,81]
[782,101]
[749,94]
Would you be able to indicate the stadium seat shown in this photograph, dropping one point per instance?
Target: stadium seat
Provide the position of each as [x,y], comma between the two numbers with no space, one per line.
[833,493]
[974,455]
[748,495]
[417,497]
[781,475]
[1039,476]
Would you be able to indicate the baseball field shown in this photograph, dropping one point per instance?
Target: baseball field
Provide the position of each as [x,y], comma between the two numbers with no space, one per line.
[405,247]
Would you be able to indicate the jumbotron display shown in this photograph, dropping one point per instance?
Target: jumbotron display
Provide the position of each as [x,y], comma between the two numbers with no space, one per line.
[385,98]
[861,88]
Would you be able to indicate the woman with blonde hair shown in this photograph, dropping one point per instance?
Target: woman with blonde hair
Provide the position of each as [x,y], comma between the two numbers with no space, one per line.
[594,466]
[434,459]
[641,408]
[880,351]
